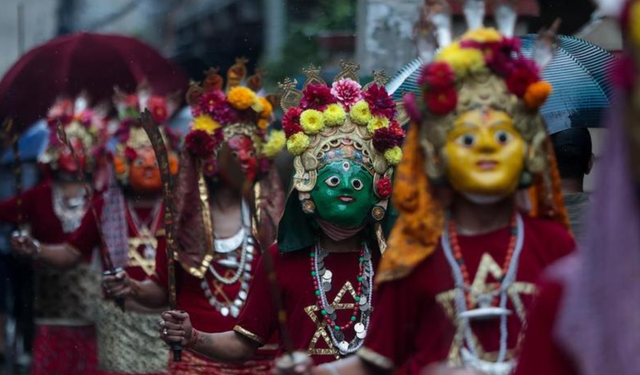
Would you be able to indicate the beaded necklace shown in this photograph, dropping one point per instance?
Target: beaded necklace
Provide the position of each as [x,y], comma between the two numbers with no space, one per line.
[322,278]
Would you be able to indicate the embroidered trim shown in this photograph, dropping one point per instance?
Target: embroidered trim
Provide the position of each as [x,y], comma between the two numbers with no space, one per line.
[375,359]
[249,334]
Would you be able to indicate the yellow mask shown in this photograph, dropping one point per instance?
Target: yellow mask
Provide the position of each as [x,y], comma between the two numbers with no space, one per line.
[484,153]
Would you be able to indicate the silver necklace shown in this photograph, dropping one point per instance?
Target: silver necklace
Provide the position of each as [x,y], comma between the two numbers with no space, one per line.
[69,212]
[324,277]
[146,230]
[469,351]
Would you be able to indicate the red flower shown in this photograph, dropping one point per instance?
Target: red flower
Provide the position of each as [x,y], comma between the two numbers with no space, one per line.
[200,143]
[316,96]
[412,108]
[437,75]
[442,102]
[211,100]
[157,105]
[624,73]
[291,121]
[380,103]
[210,166]
[386,138]
[522,75]
[384,187]
[130,154]
[225,114]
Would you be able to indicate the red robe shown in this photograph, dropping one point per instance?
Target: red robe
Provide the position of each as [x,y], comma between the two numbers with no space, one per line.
[410,336]
[541,353]
[74,345]
[258,321]
[206,318]
[128,342]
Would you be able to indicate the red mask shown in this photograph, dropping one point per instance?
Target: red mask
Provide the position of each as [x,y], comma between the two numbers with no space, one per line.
[66,163]
[242,149]
[144,173]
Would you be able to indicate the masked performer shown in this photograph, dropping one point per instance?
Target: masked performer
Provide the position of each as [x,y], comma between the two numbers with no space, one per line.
[584,322]
[457,281]
[130,217]
[52,211]
[218,236]
[345,140]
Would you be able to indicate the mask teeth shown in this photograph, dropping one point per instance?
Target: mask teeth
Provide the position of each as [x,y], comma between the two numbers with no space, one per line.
[474,13]
[506,16]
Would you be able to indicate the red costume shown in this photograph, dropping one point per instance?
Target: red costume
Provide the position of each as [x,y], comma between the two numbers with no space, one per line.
[417,334]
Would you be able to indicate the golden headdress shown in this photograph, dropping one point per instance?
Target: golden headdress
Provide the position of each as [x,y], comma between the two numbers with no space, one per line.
[485,67]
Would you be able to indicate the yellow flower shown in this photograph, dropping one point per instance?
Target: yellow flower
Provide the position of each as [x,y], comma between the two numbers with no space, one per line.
[360,113]
[267,108]
[393,155]
[376,123]
[241,97]
[263,123]
[312,121]
[463,60]
[205,123]
[634,23]
[334,115]
[275,144]
[483,35]
[298,143]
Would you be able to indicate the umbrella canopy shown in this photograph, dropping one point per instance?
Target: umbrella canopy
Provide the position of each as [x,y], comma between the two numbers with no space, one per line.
[83,62]
[578,73]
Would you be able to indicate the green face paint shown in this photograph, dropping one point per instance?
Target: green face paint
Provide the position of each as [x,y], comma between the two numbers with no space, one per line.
[343,194]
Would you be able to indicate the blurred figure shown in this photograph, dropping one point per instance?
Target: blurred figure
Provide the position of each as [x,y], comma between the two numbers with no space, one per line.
[226,182]
[50,212]
[575,159]
[586,319]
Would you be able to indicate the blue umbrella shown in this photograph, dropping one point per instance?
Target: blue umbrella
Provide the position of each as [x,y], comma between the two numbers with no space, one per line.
[578,73]
[31,144]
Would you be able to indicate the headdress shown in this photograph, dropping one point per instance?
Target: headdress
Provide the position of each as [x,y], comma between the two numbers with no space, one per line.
[82,126]
[220,114]
[484,68]
[344,121]
[130,136]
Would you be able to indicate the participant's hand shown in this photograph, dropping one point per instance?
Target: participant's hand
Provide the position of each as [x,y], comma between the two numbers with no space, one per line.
[176,328]
[297,363]
[119,285]
[25,246]
[446,370]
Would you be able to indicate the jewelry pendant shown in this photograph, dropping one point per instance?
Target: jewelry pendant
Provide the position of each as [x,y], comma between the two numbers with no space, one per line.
[359,327]
[149,252]
[343,346]
[485,310]
[224,311]
[489,368]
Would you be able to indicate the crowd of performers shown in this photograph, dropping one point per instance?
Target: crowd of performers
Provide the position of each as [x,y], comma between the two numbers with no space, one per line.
[416,235]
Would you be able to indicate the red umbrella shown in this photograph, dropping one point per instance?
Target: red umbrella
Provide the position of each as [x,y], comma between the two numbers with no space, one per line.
[93,63]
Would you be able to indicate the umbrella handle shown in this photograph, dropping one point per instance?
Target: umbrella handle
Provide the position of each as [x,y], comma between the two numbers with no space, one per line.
[176,348]
[120,300]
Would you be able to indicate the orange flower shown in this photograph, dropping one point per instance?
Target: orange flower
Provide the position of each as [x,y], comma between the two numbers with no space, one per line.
[263,124]
[119,165]
[537,93]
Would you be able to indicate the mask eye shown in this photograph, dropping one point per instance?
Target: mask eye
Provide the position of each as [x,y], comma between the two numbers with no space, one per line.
[466,140]
[357,184]
[332,181]
[502,137]
[234,154]
[138,163]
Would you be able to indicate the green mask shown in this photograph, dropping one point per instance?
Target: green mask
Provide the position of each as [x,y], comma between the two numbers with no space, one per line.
[343,194]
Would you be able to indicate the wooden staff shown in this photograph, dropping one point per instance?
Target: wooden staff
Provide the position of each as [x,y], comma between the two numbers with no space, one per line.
[9,131]
[160,149]
[104,249]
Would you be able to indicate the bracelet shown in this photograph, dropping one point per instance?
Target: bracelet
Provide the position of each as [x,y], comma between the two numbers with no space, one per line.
[329,366]
[195,336]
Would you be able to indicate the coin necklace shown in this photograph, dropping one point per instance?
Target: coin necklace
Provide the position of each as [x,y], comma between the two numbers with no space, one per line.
[322,278]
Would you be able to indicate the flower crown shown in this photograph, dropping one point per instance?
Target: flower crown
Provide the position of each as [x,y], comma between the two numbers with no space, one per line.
[324,124]
[237,110]
[130,136]
[79,122]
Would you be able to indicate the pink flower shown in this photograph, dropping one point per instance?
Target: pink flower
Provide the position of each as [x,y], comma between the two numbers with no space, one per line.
[437,75]
[522,75]
[291,121]
[225,114]
[157,105]
[624,73]
[347,91]
[384,187]
[316,96]
[210,166]
[380,103]
[211,100]
[411,107]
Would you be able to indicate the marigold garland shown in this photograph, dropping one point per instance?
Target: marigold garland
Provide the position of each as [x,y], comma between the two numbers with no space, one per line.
[241,97]
[377,122]
[312,121]
[537,93]
[298,143]
[360,113]
[334,115]
[275,144]
[205,123]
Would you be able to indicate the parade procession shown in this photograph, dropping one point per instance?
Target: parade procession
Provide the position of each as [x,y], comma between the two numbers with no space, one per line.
[289,187]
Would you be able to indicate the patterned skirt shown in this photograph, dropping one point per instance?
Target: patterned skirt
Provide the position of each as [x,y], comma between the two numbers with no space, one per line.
[64,350]
[193,364]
